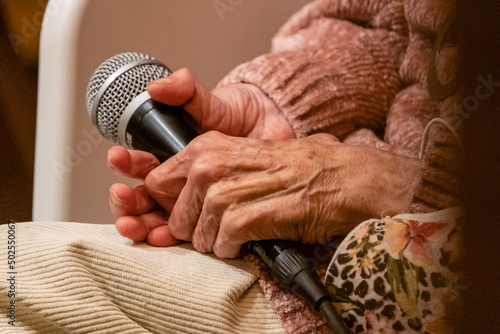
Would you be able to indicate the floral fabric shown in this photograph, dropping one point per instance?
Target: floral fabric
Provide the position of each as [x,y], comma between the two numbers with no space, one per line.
[399,274]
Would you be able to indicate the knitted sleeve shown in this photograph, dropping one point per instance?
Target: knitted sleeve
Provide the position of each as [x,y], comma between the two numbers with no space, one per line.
[358,70]
[334,67]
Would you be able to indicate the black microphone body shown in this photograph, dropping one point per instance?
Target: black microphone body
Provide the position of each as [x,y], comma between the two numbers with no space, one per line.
[160,129]
[164,131]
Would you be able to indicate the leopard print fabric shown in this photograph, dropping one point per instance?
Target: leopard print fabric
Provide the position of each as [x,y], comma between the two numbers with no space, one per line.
[399,275]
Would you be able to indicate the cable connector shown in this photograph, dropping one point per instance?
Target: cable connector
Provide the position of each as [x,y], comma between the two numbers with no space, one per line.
[294,270]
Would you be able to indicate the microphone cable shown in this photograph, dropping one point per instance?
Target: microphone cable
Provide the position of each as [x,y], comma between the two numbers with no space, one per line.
[289,265]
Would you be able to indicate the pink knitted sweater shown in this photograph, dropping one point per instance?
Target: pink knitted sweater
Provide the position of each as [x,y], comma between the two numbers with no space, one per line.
[358,69]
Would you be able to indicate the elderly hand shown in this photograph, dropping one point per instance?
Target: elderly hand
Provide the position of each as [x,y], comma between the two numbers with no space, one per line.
[238,110]
[223,191]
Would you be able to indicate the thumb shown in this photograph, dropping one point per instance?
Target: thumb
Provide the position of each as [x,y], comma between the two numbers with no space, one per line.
[183,88]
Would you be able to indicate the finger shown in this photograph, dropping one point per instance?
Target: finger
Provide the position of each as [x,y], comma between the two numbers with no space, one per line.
[286,216]
[131,163]
[185,214]
[273,218]
[126,201]
[183,88]
[206,170]
[162,237]
[176,89]
[165,183]
[225,195]
[205,173]
[207,225]
[137,228]
[209,111]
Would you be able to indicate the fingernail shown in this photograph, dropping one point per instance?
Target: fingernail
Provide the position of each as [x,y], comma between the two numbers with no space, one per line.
[161,81]
[108,157]
[114,197]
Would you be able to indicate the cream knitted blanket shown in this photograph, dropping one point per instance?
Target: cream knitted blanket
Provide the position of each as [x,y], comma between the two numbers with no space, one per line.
[85,278]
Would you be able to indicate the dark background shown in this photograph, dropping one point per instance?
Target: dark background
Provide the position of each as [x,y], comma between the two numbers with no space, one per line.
[19,24]
[481,179]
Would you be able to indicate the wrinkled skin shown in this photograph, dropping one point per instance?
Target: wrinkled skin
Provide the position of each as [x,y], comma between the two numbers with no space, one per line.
[249,179]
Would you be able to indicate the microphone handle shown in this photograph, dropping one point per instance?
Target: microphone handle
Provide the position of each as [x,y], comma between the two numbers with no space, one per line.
[164,131]
[160,129]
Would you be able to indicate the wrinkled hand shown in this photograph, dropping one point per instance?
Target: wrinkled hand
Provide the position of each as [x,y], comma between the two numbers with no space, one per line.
[237,110]
[223,191]
[240,110]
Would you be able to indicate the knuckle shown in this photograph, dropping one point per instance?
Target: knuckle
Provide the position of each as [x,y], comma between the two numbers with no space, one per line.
[178,230]
[204,142]
[205,165]
[213,135]
[196,145]
[217,195]
[199,246]
[232,233]
[322,137]
[203,240]
[175,231]
[237,223]
[152,182]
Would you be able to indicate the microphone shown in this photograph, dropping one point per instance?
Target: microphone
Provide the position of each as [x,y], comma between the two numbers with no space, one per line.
[120,107]
[122,110]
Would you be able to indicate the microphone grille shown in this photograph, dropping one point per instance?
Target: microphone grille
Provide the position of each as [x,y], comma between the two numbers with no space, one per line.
[115,83]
